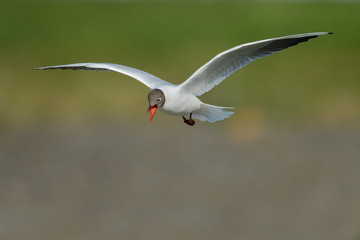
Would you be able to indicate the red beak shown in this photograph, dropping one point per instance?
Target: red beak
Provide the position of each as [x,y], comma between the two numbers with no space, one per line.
[152,110]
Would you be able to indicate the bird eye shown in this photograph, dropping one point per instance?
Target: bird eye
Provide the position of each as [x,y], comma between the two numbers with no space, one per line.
[159,99]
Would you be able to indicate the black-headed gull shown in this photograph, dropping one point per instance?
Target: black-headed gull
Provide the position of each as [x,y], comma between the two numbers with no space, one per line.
[182,99]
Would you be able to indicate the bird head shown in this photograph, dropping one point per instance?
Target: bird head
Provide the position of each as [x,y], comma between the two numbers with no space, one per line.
[156,99]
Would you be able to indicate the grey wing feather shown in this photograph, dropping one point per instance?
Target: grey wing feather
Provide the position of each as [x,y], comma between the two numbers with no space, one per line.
[226,63]
[144,77]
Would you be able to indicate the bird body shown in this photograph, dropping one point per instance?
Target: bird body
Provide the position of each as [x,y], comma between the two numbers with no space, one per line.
[183,99]
[178,102]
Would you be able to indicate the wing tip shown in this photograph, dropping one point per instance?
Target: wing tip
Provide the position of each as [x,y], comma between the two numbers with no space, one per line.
[324,33]
[321,34]
[39,68]
[45,68]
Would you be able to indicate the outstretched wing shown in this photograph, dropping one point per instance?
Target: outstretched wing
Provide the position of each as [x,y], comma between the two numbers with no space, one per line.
[226,63]
[149,80]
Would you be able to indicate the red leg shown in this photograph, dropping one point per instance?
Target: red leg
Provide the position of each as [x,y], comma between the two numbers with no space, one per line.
[189,121]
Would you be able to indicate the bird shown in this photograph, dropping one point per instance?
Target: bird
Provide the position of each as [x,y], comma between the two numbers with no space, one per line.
[182,99]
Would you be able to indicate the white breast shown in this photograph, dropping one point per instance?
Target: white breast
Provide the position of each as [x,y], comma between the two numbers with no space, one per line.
[177,102]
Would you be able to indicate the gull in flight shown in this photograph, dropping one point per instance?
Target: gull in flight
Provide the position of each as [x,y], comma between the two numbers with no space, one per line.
[182,99]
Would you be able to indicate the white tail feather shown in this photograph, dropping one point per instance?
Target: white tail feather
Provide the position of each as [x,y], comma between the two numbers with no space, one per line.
[211,113]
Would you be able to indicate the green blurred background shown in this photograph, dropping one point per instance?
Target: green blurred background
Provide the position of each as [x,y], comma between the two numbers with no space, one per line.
[80,160]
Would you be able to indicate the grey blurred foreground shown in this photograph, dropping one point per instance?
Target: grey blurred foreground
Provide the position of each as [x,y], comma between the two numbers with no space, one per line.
[193,183]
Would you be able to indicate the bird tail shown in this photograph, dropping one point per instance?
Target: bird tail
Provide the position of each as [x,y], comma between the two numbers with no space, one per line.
[211,113]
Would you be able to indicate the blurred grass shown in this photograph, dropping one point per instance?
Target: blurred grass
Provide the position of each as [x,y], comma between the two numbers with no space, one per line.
[315,83]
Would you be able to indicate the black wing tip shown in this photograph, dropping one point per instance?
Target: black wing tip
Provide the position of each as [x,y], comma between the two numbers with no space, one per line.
[323,33]
[317,35]
[42,68]
[326,33]
[49,68]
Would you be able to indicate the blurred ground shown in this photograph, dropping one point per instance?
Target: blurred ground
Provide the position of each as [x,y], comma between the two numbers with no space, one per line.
[79,159]
[128,183]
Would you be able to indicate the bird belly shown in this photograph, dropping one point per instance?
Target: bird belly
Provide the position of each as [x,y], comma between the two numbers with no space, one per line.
[179,103]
